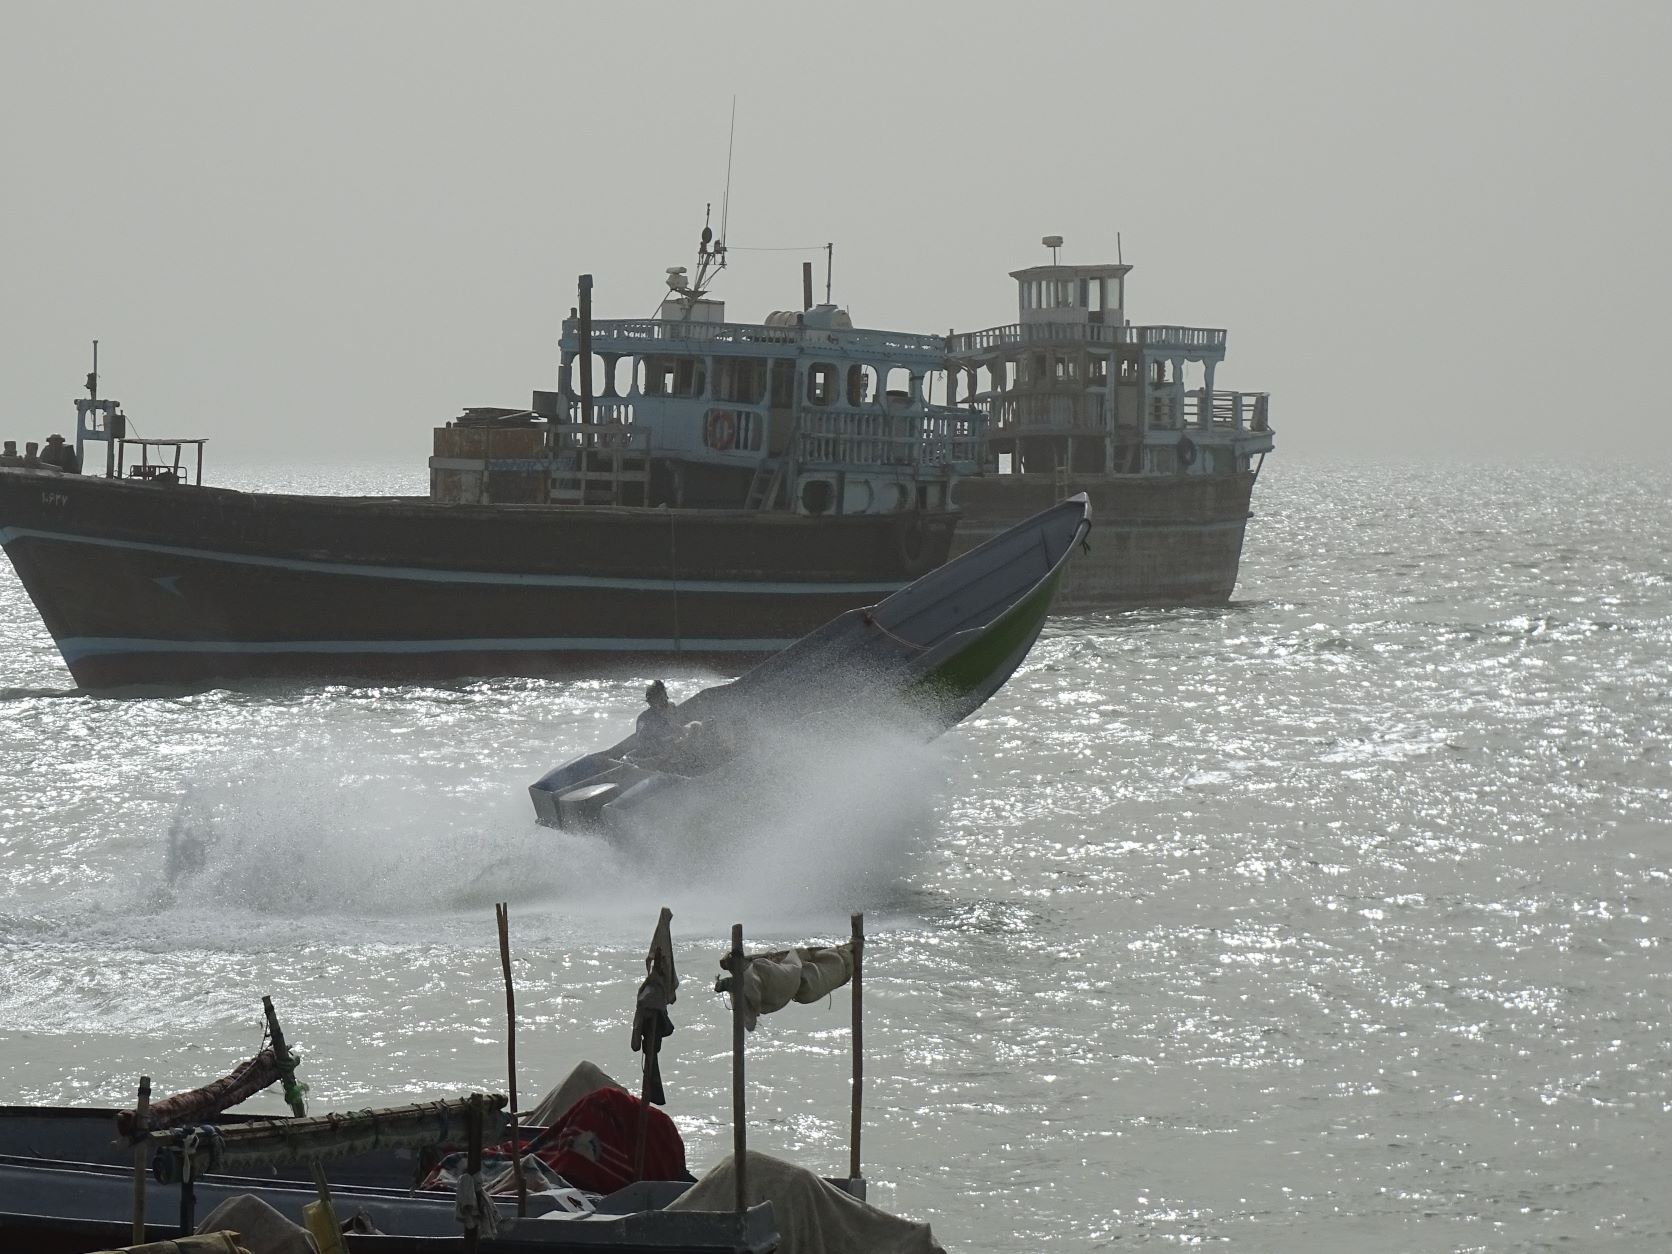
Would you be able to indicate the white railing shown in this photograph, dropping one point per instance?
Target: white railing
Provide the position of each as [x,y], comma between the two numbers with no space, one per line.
[612,428]
[636,334]
[870,437]
[1234,411]
[1021,333]
[1079,410]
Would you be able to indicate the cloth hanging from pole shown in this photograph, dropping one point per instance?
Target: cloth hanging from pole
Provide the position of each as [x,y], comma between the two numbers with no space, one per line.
[772,981]
[651,1023]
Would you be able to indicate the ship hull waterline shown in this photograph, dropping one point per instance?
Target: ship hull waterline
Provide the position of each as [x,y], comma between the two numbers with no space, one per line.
[1161,542]
[145,585]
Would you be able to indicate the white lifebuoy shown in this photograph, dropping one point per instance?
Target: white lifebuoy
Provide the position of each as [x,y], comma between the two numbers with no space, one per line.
[722,429]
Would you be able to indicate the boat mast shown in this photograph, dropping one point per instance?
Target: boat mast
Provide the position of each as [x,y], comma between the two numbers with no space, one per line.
[586,348]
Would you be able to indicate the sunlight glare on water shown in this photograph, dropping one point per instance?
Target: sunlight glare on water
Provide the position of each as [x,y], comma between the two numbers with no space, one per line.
[1337,917]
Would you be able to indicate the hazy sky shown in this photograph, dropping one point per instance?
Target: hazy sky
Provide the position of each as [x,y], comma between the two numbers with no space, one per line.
[314,231]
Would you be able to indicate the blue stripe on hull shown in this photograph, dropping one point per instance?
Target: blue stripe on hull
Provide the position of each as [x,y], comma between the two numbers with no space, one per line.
[418,574]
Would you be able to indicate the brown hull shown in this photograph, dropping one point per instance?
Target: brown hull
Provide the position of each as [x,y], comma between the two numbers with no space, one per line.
[1155,541]
[143,584]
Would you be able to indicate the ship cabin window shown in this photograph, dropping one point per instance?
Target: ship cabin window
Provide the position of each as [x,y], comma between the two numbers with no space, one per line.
[821,383]
[1037,367]
[1097,370]
[740,379]
[674,376]
[783,384]
[1067,369]
[1093,295]
[1111,293]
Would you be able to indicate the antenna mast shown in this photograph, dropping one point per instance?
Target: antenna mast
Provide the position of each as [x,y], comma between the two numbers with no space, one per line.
[731,144]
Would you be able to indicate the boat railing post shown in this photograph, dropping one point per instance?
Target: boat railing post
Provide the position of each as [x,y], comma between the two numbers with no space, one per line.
[140,1108]
[858,1043]
[740,1136]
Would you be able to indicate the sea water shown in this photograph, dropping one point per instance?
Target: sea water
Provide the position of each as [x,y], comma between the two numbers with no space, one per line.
[1338,918]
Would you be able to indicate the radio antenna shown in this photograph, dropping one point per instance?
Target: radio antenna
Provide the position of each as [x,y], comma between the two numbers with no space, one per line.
[731,142]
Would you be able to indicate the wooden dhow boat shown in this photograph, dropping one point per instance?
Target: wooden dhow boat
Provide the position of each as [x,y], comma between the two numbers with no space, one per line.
[693,487]
[1080,399]
[923,659]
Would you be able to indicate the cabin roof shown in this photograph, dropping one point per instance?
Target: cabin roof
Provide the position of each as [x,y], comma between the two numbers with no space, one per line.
[1071,272]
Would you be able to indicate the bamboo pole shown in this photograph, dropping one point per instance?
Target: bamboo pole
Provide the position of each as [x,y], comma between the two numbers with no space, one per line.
[140,1107]
[502,916]
[293,1097]
[740,1136]
[473,1234]
[858,922]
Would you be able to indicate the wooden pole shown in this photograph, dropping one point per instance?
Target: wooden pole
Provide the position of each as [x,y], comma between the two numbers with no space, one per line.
[502,916]
[188,1197]
[662,919]
[140,1107]
[473,1164]
[293,1098]
[740,1136]
[858,921]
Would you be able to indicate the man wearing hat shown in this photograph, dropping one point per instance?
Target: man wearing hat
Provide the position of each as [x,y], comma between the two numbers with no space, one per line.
[60,455]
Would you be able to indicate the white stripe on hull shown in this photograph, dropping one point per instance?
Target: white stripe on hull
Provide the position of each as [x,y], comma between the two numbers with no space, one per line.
[75,648]
[417,574]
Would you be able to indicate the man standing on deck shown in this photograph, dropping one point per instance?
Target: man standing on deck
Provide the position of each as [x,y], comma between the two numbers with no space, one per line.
[60,455]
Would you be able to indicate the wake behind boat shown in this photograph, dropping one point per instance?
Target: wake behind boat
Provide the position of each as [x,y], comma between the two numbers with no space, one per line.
[925,658]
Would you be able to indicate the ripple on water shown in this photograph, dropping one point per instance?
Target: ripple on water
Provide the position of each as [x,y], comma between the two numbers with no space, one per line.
[1335,916]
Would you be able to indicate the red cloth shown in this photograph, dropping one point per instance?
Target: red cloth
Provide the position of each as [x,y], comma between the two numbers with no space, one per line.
[592,1145]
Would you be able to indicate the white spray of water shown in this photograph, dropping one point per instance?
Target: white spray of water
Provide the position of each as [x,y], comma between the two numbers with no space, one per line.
[829,825]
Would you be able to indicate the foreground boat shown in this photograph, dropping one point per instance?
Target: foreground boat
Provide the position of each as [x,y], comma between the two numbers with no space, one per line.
[409,1179]
[729,488]
[1080,400]
[926,657]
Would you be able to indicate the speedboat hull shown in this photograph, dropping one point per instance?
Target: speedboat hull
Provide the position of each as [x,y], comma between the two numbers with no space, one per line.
[924,659]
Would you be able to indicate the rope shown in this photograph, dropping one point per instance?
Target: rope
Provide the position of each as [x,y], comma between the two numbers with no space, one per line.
[870,621]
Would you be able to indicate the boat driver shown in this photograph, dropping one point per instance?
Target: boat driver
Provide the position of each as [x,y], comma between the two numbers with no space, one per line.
[659,732]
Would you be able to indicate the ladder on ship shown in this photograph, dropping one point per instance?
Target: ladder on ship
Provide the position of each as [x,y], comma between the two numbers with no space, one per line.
[767,484]
[1059,480]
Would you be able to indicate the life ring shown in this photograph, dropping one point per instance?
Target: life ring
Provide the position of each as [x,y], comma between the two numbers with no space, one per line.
[722,429]
[1186,452]
[913,544]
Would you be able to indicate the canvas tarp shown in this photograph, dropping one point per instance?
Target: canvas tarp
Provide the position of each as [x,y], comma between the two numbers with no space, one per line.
[260,1229]
[813,1217]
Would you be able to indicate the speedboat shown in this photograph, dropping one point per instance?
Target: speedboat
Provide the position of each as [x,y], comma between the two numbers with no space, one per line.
[921,660]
